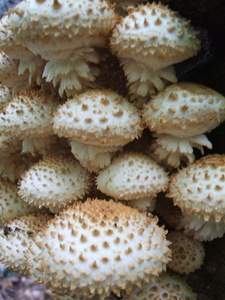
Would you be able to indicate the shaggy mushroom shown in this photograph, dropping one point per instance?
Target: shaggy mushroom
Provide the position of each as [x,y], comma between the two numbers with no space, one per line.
[98,123]
[101,246]
[54,182]
[148,41]
[64,33]
[28,116]
[135,177]
[179,116]
[199,191]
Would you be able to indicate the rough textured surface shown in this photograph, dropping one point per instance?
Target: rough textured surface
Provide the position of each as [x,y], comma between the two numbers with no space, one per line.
[98,117]
[29,114]
[166,287]
[54,181]
[99,245]
[187,253]
[11,205]
[17,236]
[199,188]
[132,176]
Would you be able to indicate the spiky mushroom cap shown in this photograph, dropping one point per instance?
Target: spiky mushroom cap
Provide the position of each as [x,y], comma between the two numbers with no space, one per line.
[165,287]
[148,41]
[185,109]
[29,114]
[187,254]
[101,246]
[132,176]
[98,117]
[17,236]
[154,35]
[11,204]
[199,188]
[54,182]
[55,28]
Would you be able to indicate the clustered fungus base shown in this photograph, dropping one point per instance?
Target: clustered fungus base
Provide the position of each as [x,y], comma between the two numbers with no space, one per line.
[80,83]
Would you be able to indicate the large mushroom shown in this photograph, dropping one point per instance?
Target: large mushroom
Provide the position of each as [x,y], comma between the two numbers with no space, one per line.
[199,191]
[64,33]
[180,116]
[101,246]
[97,122]
[148,42]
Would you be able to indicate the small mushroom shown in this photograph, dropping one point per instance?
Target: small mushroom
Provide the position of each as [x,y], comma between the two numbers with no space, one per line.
[134,177]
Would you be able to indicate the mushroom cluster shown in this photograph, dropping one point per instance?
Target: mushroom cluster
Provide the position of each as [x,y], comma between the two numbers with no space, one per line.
[81,84]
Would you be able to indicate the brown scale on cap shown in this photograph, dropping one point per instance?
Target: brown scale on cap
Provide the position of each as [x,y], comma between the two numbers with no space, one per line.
[101,246]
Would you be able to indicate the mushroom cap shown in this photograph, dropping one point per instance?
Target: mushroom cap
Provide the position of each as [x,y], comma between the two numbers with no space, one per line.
[199,188]
[185,109]
[5,96]
[101,246]
[187,253]
[165,287]
[98,117]
[61,25]
[11,204]
[29,114]
[54,181]
[155,35]
[132,176]
[17,236]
